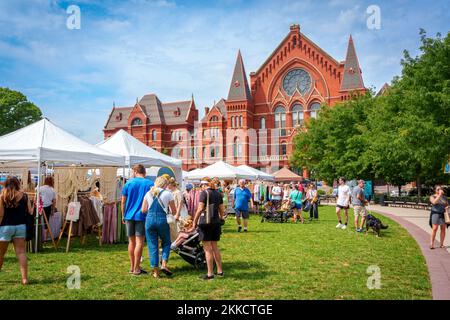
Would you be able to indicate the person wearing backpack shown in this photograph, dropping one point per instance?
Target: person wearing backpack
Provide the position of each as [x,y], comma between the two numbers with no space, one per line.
[14,208]
[208,218]
[156,206]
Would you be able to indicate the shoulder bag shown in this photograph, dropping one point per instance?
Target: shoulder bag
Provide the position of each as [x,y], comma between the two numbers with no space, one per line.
[207,216]
[170,217]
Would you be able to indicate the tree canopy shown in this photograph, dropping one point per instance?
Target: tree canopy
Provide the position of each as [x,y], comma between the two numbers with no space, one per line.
[16,111]
[400,137]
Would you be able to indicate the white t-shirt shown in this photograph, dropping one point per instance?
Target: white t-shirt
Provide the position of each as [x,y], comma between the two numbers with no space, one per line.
[276,193]
[164,198]
[47,195]
[343,196]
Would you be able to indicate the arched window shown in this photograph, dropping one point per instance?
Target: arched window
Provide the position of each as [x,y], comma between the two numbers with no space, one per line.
[136,122]
[214,119]
[314,110]
[232,122]
[262,123]
[237,148]
[154,135]
[283,149]
[280,117]
[297,115]
[241,121]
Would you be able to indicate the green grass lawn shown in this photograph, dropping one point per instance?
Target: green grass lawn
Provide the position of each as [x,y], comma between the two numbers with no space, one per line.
[271,261]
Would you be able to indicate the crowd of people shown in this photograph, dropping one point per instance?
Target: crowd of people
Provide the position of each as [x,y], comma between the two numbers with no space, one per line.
[158,213]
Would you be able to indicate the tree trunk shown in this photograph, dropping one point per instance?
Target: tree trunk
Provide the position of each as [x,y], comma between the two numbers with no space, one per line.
[419,189]
[400,190]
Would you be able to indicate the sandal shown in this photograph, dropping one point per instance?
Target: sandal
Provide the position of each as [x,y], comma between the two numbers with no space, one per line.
[155,273]
[167,272]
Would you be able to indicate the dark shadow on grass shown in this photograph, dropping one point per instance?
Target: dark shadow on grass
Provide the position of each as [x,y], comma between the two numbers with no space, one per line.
[239,270]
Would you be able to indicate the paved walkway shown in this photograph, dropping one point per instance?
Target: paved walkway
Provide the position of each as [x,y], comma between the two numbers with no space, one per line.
[438,260]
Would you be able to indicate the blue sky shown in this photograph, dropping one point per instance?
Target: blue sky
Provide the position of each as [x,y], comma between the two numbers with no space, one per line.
[126,49]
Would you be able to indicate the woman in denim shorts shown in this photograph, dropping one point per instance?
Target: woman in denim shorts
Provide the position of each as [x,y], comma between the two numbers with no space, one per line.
[14,206]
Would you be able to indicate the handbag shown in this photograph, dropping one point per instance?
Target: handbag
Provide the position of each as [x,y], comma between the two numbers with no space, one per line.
[207,216]
[447,217]
[170,217]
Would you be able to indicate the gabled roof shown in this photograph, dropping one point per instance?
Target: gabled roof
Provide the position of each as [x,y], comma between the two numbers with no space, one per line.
[352,79]
[157,112]
[239,89]
[303,38]
[383,90]
[176,112]
[152,108]
[221,106]
[118,118]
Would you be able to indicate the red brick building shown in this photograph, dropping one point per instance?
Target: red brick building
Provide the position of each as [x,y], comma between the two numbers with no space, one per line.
[257,122]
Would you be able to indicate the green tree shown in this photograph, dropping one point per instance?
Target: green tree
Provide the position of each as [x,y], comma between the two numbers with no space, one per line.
[16,111]
[334,144]
[410,129]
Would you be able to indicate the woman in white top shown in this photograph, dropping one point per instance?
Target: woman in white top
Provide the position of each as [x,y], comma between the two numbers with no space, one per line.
[156,205]
[48,197]
[180,202]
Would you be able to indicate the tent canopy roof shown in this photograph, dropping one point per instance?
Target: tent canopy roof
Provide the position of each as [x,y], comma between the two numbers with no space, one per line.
[221,170]
[285,174]
[45,141]
[136,152]
[257,173]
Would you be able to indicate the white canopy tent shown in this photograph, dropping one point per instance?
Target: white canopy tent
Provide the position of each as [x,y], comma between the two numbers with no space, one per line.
[136,152]
[257,173]
[221,170]
[44,142]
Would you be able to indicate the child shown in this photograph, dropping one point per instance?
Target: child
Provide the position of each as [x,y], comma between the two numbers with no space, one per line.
[183,234]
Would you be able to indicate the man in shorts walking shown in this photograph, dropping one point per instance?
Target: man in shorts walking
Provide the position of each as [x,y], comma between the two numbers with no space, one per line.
[342,203]
[242,196]
[359,203]
[133,194]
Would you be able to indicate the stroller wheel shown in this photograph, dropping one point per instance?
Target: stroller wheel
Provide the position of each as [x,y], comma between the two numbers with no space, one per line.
[200,262]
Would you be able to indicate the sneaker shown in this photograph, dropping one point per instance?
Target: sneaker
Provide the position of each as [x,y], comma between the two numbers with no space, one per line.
[245,230]
[206,277]
[239,228]
[219,274]
[344,227]
[339,226]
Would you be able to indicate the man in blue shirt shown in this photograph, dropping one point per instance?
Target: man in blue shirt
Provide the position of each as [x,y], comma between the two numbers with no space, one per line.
[241,198]
[133,194]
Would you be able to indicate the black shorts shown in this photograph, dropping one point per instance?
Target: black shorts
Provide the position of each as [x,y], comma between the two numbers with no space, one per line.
[342,207]
[210,232]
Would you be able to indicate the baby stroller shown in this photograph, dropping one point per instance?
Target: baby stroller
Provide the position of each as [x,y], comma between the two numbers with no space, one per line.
[273,213]
[191,250]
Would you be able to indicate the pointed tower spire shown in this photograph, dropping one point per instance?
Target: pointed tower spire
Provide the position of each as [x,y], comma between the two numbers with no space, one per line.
[114,104]
[352,79]
[239,89]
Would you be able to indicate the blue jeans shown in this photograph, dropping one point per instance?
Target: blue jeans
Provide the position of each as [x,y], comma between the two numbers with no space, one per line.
[156,226]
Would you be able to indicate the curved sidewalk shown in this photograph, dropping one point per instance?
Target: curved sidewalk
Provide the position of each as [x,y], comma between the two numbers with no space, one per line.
[438,260]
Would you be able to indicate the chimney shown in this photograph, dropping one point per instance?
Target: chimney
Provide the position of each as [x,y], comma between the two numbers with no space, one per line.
[206,111]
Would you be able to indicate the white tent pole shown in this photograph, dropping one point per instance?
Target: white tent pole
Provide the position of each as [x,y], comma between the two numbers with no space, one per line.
[37,202]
